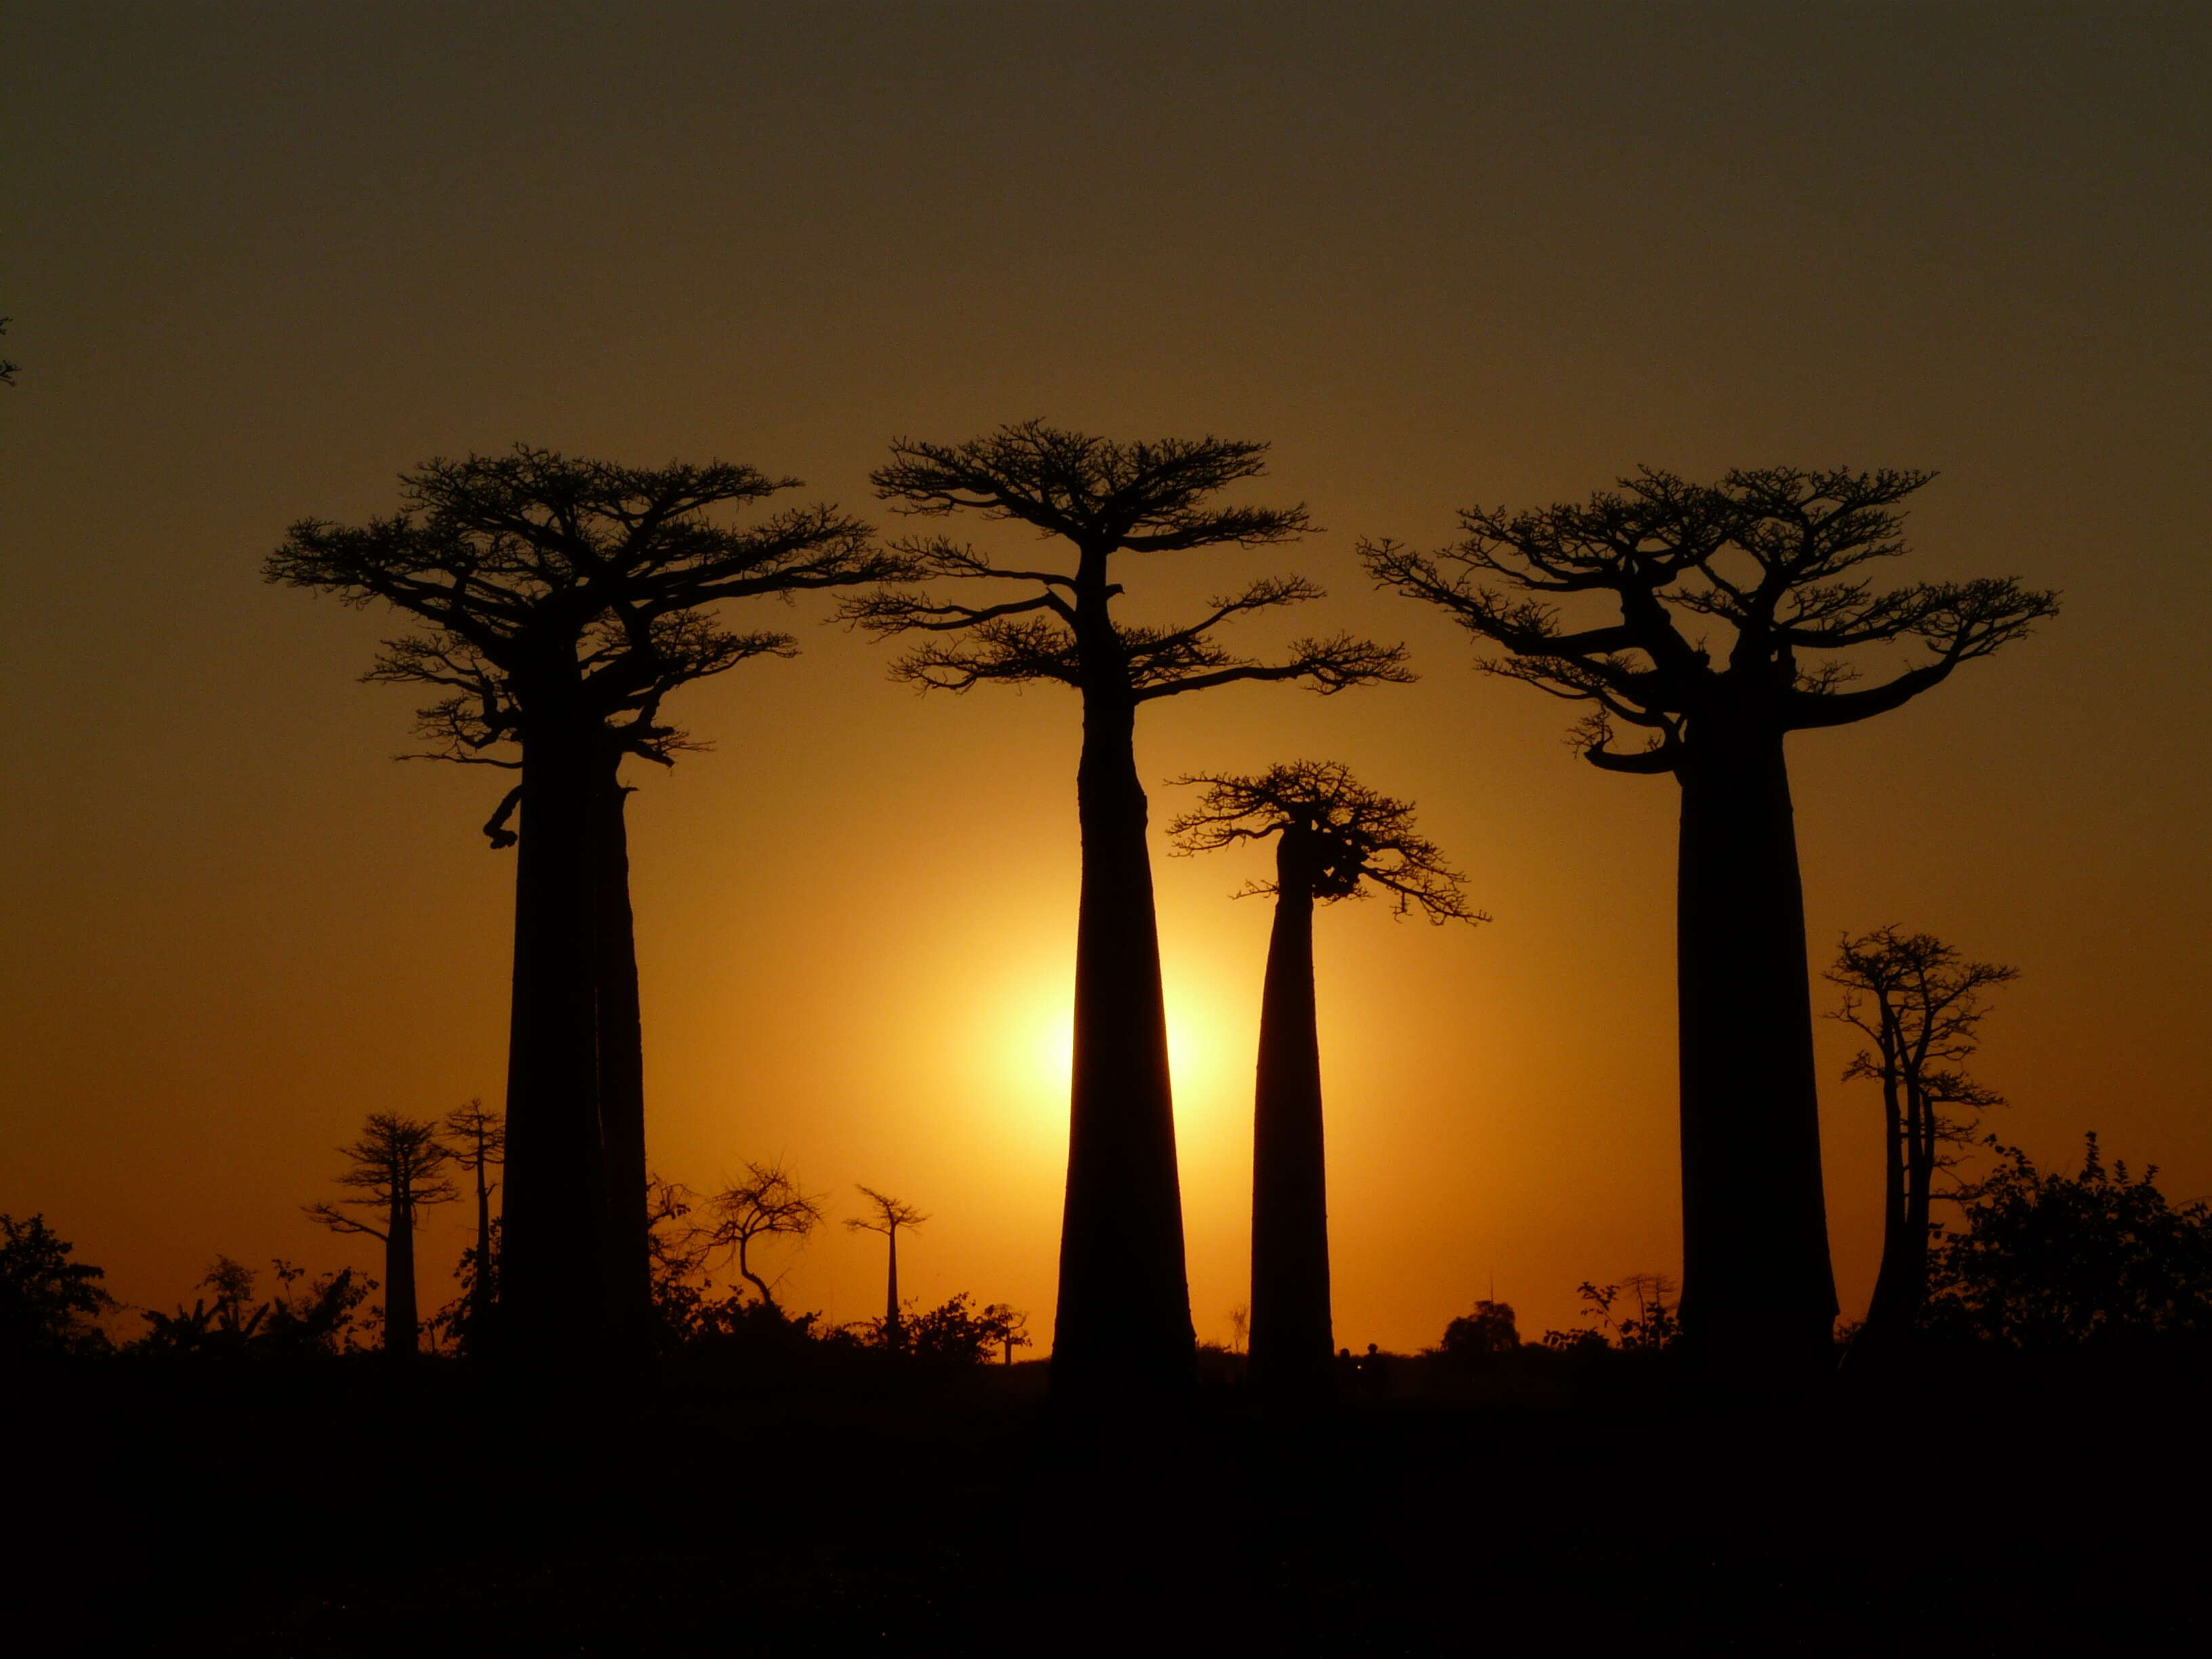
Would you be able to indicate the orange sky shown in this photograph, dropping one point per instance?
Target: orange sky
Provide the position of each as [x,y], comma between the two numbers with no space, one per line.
[262,259]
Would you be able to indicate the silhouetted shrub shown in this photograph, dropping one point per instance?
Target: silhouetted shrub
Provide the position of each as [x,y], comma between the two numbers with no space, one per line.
[1474,1337]
[2055,1260]
[47,1302]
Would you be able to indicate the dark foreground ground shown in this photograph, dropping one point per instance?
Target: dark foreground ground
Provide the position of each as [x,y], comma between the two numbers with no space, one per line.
[345,1508]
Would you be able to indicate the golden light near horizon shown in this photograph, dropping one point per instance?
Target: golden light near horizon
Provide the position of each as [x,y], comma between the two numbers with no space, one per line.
[1209,1055]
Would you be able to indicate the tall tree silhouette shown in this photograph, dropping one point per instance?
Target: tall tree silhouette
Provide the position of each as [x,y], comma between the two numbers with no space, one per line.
[1124,1313]
[1716,593]
[1921,1005]
[478,1142]
[888,1215]
[1335,839]
[402,1166]
[568,598]
[768,1203]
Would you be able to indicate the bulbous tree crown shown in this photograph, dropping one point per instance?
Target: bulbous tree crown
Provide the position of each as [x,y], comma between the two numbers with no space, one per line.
[1775,556]
[1353,841]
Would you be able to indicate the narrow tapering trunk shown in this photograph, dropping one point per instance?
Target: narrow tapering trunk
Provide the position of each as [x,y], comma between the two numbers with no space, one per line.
[480,1288]
[1292,1342]
[1893,1309]
[554,1297]
[1122,1329]
[1758,1295]
[403,1329]
[890,1291]
[622,1073]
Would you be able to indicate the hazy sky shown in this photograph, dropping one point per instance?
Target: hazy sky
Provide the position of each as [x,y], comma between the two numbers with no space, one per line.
[263,258]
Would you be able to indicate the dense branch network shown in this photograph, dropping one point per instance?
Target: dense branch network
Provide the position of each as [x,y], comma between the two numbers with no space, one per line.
[551,580]
[1100,497]
[1361,840]
[1775,556]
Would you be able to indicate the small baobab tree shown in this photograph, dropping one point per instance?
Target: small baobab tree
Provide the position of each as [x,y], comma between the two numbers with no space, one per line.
[1721,604]
[1922,1005]
[565,600]
[478,1140]
[1335,839]
[886,1215]
[401,1165]
[1123,1322]
[767,1203]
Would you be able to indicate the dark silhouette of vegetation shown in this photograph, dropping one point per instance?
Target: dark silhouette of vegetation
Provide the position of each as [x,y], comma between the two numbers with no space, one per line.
[1123,1322]
[48,1304]
[954,1333]
[478,1142]
[1772,562]
[8,366]
[2058,1260]
[1655,1323]
[313,1320]
[566,600]
[1489,1329]
[470,1321]
[1922,1005]
[889,1215]
[768,1203]
[1335,839]
[400,1162]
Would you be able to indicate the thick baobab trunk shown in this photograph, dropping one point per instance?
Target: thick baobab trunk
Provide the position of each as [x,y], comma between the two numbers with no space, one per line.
[1292,1341]
[403,1327]
[622,1074]
[1758,1295]
[1124,1323]
[553,1291]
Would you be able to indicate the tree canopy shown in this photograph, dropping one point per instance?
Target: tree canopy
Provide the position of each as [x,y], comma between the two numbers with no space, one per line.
[1725,595]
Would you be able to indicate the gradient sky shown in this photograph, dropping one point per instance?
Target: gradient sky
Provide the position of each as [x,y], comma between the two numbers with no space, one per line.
[263,258]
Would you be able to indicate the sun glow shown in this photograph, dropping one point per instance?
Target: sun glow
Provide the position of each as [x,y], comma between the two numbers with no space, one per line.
[1209,1055]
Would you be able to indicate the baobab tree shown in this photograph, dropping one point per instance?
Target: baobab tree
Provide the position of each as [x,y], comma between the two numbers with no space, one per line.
[567,598]
[1921,1005]
[887,1215]
[768,1203]
[1335,839]
[1123,1322]
[1717,596]
[478,1140]
[402,1166]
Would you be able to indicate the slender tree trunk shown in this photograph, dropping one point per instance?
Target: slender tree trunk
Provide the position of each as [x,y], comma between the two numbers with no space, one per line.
[1122,1327]
[1919,1196]
[480,1290]
[1894,1308]
[554,1297]
[403,1327]
[746,1273]
[890,1294]
[1292,1344]
[1759,1294]
[621,1072]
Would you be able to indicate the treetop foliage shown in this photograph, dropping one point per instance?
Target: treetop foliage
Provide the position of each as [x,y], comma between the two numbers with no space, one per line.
[1102,495]
[543,575]
[1102,498]
[1358,837]
[1776,556]
[397,1161]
